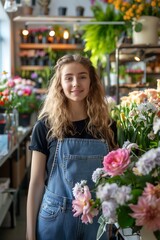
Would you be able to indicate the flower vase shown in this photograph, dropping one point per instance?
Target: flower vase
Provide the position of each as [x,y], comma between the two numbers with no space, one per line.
[3,122]
[24,119]
[147,234]
[149,33]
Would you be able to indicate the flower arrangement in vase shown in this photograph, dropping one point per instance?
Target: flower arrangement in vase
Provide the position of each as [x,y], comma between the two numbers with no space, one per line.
[127,187]
[132,10]
[142,18]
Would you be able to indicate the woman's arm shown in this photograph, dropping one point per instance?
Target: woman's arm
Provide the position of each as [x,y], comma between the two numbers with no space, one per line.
[35,192]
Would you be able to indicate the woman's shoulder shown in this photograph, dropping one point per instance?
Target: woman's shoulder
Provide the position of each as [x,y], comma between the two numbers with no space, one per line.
[41,126]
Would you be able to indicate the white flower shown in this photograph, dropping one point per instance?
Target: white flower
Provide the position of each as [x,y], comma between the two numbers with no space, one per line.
[109,211]
[97,174]
[151,135]
[147,161]
[145,107]
[123,195]
[107,191]
[156,124]
[128,145]
[78,188]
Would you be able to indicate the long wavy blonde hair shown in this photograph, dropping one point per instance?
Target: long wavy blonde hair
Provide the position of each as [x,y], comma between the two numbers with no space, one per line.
[55,109]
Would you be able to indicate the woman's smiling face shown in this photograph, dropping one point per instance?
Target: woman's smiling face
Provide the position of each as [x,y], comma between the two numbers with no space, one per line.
[75,81]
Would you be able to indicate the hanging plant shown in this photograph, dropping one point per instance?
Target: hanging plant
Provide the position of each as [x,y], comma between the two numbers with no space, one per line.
[101,39]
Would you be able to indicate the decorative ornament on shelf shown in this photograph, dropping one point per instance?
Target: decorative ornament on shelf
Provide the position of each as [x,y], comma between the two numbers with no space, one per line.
[10,6]
[127,187]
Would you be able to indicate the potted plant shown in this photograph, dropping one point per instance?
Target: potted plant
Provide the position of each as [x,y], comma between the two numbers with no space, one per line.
[142,17]
[27,101]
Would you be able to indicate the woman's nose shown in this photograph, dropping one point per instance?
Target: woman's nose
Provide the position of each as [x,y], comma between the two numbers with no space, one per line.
[75,82]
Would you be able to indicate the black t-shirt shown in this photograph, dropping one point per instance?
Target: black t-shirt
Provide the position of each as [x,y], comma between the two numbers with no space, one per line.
[39,141]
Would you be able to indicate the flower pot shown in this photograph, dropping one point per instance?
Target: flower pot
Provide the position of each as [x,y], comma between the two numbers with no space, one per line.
[27,10]
[149,33]
[62,11]
[147,234]
[79,11]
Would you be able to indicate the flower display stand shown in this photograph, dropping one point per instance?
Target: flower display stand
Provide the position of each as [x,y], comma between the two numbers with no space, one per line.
[149,33]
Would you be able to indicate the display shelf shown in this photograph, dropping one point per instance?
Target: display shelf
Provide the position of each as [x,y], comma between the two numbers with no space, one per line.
[133,85]
[53,46]
[52,20]
[13,155]
[150,54]
[33,68]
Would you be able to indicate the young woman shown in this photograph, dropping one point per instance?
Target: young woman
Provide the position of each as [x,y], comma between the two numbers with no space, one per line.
[69,140]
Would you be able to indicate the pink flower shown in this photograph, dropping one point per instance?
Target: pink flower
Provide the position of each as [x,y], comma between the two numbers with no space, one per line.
[147,213]
[5,92]
[116,162]
[151,191]
[10,83]
[27,91]
[83,205]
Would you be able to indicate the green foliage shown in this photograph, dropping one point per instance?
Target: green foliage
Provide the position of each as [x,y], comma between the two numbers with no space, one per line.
[27,103]
[100,39]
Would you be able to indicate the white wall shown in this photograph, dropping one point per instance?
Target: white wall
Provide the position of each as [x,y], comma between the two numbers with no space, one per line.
[5,41]
[71,7]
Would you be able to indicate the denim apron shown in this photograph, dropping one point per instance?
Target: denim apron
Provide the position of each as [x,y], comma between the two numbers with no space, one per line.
[75,160]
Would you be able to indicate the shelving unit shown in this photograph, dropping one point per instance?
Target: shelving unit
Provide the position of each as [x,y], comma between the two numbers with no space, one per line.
[129,50]
[14,154]
[42,46]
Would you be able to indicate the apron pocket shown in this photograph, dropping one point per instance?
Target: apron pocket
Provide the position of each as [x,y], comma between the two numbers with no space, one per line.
[77,168]
[49,211]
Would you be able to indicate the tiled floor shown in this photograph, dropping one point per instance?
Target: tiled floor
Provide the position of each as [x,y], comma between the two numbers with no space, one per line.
[17,233]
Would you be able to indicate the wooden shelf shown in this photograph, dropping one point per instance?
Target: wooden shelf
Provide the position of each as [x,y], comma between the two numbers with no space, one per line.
[55,46]
[52,20]
[133,85]
[32,68]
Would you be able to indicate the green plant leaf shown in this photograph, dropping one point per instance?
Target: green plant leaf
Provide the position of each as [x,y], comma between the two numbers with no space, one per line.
[102,227]
[138,27]
[124,219]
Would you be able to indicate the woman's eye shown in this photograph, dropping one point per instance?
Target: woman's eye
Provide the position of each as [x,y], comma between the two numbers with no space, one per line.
[68,78]
[82,77]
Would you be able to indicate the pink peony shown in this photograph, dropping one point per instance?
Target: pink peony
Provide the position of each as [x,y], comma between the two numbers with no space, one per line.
[147,213]
[116,162]
[83,205]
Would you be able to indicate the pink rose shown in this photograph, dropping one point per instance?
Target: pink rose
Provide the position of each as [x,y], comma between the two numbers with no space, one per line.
[116,162]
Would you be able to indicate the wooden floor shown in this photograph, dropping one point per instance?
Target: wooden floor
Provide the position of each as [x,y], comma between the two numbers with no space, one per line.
[19,232]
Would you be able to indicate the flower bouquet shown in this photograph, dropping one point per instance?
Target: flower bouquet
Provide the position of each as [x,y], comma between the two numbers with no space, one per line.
[127,187]
[127,191]
[7,94]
